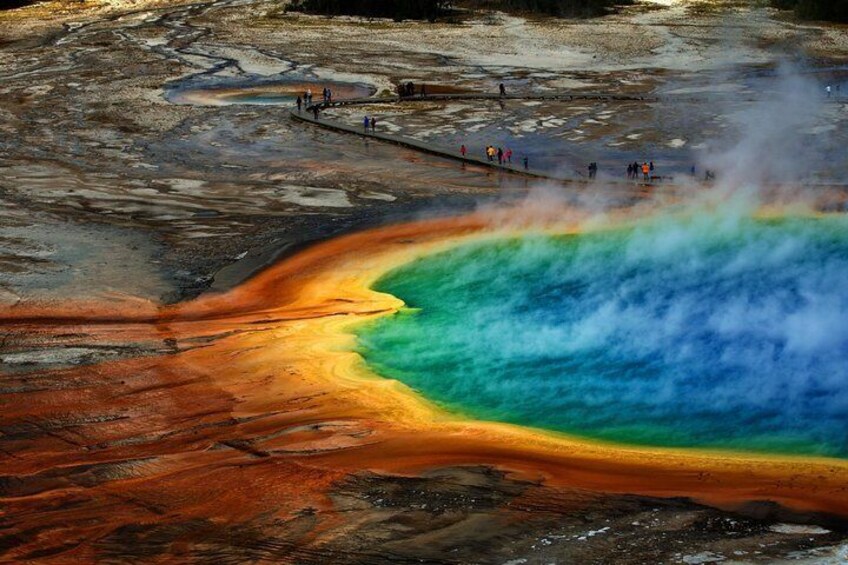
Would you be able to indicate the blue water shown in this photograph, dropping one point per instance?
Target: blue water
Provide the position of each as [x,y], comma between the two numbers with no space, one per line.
[704,332]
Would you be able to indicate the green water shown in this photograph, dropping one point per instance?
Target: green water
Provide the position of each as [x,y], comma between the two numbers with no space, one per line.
[704,332]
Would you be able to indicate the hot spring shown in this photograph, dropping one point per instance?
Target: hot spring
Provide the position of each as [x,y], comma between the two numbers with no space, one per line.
[703,332]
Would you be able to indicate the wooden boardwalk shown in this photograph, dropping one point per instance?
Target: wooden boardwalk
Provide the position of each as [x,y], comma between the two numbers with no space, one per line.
[515,168]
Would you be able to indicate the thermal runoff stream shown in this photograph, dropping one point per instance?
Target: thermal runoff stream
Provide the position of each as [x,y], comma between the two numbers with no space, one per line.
[680,332]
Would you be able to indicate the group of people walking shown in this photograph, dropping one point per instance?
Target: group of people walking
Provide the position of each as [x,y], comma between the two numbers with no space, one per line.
[306,99]
[503,156]
[408,89]
[646,169]
[369,122]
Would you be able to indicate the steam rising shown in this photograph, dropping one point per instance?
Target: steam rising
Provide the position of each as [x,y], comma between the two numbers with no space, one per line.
[699,327]
[782,139]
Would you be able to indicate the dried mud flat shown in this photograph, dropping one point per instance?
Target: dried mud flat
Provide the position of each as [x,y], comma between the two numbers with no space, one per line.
[108,189]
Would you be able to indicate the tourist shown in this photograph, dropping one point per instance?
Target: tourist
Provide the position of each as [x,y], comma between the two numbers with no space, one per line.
[490,152]
[629,170]
[651,165]
[315,111]
[463,150]
[299,104]
[508,155]
[502,89]
[309,97]
[500,156]
[365,124]
[526,164]
[636,170]
[828,90]
[329,95]
[373,124]
[693,172]
[646,171]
